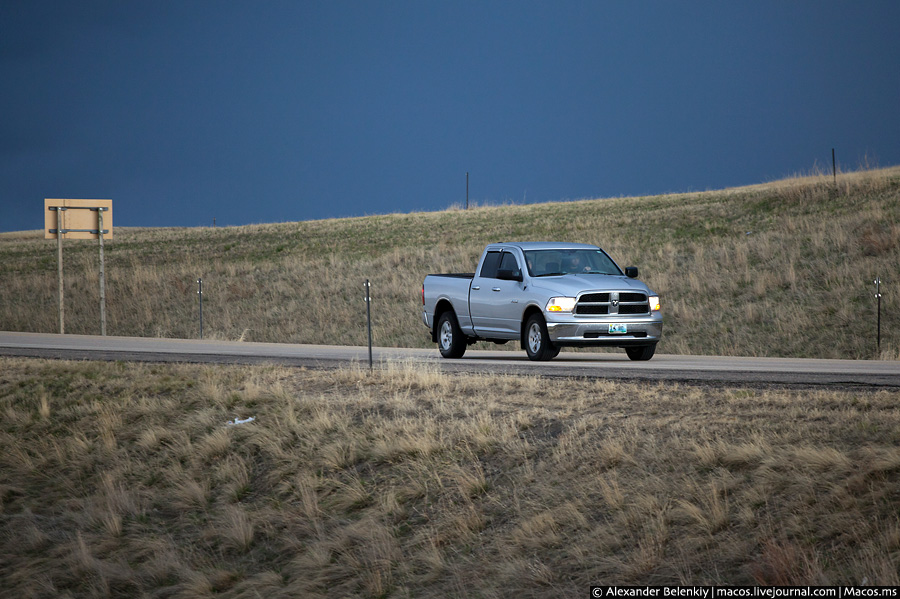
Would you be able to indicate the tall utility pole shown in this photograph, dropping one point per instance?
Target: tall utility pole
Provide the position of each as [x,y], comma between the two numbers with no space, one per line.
[833,167]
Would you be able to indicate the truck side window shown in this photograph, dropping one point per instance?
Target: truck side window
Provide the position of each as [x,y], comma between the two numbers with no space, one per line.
[509,262]
[490,266]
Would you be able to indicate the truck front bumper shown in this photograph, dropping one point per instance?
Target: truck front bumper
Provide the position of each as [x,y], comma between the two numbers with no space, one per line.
[599,332]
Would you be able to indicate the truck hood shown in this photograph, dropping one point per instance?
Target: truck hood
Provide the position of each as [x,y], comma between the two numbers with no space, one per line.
[572,284]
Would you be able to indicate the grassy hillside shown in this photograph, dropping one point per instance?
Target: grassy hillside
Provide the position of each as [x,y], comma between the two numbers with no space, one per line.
[125,480]
[782,269]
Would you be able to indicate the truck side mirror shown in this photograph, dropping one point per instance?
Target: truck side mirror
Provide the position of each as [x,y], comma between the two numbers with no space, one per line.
[631,272]
[504,274]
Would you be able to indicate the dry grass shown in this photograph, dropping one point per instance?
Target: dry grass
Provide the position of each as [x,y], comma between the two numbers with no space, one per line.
[781,269]
[125,480]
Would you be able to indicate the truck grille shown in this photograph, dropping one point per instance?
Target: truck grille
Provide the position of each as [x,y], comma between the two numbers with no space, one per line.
[623,302]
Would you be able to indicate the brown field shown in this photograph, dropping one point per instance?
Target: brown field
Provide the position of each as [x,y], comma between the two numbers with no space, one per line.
[125,480]
[781,269]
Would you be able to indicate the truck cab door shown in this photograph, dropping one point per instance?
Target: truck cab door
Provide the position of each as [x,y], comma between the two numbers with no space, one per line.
[493,302]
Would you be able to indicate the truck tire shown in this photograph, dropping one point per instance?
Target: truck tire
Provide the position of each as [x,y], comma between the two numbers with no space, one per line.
[537,341]
[641,354]
[450,338]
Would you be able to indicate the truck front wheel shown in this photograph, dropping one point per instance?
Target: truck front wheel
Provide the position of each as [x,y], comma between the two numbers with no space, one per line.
[641,354]
[451,340]
[537,340]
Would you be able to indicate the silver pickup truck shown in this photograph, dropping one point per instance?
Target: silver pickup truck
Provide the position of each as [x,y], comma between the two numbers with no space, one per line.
[548,295]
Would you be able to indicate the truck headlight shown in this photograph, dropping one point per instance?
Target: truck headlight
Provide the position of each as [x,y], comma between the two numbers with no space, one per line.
[561,304]
[654,303]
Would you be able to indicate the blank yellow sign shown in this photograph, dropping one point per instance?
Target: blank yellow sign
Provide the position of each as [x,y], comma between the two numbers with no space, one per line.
[78,220]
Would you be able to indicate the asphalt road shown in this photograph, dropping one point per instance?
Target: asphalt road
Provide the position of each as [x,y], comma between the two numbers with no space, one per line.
[687,369]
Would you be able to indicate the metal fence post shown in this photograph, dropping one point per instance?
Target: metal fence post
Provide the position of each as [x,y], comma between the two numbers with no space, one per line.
[200,294]
[878,298]
[369,319]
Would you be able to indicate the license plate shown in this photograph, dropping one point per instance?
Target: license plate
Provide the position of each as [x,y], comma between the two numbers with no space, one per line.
[618,329]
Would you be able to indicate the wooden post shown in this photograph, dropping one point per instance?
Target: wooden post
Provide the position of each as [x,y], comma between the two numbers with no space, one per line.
[59,236]
[102,276]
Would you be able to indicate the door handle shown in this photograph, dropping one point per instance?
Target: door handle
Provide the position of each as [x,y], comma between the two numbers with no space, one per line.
[476,288]
[495,289]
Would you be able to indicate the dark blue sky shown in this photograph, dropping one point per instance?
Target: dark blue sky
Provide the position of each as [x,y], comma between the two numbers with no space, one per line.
[249,112]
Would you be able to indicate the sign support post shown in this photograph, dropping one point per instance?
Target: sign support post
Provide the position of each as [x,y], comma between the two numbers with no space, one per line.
[102,276]
[78,222]
[59,256]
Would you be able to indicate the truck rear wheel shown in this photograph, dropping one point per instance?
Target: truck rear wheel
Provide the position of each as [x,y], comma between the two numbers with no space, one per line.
[537,340]
[451,340]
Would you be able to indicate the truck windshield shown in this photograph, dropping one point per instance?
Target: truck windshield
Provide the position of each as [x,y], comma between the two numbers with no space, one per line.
[547,263]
